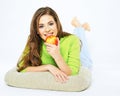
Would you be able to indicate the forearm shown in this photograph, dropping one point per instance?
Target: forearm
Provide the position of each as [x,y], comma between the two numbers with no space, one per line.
[62,65]
[41,68]
[53,50]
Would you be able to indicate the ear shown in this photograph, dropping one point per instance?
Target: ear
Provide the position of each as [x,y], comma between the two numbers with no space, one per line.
[38,33]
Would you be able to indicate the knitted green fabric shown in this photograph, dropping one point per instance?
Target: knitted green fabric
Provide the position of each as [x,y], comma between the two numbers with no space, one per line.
[69,49]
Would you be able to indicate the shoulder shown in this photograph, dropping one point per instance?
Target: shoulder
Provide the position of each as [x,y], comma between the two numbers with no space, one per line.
[70,38]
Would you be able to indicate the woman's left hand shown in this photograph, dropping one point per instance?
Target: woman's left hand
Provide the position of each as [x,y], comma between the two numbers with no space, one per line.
[58,74]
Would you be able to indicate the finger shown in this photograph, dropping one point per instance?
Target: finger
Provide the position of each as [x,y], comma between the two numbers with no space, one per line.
[64,77]
[47,44]
[50,45]
[61,78]
[58,41]
[58,78]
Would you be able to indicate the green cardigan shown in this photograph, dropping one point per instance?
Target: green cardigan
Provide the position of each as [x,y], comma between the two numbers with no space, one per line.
[69,49]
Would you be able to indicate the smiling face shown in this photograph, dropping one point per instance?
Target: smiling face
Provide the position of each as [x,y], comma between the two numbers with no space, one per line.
[47,26]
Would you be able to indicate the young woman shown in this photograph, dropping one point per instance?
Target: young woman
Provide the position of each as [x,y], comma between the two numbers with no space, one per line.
[60,60]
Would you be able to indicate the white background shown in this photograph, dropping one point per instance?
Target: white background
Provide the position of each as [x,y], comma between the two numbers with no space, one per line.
[103,40]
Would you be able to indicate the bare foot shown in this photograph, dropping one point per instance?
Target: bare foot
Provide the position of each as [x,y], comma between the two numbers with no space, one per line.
[75,22]
[86,26]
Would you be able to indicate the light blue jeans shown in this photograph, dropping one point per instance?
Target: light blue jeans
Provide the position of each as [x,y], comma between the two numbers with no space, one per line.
[84,54]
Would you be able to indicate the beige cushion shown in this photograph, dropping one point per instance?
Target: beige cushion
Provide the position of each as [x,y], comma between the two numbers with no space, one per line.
[46,81]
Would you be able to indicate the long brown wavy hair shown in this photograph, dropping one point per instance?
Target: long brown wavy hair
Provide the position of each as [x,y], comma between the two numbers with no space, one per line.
[32,58]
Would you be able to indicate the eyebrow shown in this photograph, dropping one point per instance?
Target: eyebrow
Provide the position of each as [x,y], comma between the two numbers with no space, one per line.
[48,22]
[40,24]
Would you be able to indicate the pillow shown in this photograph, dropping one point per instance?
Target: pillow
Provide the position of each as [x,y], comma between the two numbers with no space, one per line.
[46,81]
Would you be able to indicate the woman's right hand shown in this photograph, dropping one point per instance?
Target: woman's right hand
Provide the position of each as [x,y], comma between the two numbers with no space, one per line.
[58,74]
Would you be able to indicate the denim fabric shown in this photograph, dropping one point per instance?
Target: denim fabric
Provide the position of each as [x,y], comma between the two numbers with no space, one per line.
[85,57]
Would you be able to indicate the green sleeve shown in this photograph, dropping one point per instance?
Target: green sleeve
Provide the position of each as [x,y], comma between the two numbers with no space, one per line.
[74,56]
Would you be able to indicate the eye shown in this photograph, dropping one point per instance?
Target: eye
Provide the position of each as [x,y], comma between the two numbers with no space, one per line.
[51,23]
[41,26]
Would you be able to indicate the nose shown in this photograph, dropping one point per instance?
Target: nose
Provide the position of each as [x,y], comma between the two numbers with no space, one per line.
[47,29]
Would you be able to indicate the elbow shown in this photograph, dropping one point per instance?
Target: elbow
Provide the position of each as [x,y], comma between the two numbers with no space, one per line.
[72,72]
[68,73]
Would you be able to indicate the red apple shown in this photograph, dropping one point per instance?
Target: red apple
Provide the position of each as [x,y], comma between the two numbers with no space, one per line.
[52,40]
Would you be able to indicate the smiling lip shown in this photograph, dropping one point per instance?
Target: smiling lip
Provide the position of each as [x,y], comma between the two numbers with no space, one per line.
[48,34]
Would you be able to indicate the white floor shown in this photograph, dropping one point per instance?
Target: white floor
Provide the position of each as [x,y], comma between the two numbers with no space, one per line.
[106,82]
